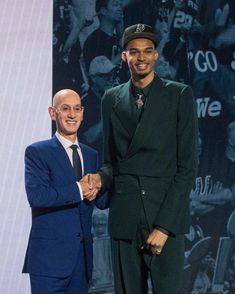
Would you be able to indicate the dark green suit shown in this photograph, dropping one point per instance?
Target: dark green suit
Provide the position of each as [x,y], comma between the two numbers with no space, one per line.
[152,165]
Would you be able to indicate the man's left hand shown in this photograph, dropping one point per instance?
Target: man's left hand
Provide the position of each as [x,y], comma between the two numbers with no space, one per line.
[157,240]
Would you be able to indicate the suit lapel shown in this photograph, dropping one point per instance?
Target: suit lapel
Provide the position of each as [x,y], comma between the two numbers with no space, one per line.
[60,156]
[86,162]
[123,109]
[151,117]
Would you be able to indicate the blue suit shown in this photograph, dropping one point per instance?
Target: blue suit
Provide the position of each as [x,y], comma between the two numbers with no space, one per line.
[61,222]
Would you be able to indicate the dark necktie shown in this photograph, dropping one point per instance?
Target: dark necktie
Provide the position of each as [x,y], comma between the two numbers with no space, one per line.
[77,166]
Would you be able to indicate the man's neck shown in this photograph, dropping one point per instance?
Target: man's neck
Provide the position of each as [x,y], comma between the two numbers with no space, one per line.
[142,82]
[72,138]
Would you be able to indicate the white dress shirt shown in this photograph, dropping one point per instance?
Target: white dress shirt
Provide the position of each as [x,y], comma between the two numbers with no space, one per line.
[66,144]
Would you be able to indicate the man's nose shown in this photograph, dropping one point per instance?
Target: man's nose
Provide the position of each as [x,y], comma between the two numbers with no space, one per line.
[71,112]
[141,56]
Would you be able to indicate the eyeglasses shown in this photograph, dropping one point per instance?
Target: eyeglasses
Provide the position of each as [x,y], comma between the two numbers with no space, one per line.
[65,109]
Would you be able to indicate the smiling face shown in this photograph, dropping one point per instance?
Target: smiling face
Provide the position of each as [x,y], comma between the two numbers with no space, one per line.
[140,55]
[67,112]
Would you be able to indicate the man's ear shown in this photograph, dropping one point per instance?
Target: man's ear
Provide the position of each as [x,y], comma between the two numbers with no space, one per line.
[52,112]
[82,114]
[156,55]
[124,56]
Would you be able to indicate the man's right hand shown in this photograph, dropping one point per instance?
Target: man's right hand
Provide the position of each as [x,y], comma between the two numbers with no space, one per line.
[92,185]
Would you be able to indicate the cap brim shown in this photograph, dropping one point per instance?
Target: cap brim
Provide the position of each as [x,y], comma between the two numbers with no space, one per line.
[144,35]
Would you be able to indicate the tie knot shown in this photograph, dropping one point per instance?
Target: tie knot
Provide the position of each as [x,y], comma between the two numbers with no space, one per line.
[74,147]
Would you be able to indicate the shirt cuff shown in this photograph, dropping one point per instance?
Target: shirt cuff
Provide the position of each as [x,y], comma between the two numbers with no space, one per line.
[161,229]
[80,190]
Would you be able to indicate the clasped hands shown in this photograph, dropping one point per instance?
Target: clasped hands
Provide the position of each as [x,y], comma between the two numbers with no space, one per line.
[91,185]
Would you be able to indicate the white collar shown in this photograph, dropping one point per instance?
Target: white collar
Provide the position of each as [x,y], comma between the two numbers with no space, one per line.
[65,142]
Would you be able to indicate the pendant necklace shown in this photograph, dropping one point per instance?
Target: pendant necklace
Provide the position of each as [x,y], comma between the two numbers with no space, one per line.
[139,102]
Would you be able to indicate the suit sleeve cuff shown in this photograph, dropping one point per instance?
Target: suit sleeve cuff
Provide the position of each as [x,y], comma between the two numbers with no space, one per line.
[163,230]
[80,190]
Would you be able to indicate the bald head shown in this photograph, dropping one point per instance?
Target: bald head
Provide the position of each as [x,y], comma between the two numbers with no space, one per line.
[60,96]
[67,112]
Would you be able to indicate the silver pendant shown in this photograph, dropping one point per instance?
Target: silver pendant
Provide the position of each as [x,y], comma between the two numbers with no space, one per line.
[139,102]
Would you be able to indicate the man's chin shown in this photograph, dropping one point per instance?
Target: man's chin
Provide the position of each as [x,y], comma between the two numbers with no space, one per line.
[142,75]
[70,132]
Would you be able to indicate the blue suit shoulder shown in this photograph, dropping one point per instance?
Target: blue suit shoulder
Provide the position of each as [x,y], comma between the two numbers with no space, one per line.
[54,141]
[43,143]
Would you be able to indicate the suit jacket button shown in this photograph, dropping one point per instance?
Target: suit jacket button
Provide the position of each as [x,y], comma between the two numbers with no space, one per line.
[143,192]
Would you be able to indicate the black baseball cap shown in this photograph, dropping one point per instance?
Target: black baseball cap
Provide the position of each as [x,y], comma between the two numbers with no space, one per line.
[138,31]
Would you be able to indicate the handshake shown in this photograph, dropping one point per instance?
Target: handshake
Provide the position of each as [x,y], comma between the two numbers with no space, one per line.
[91,185]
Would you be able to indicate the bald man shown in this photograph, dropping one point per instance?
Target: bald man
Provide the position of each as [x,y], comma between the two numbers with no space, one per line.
[59,253]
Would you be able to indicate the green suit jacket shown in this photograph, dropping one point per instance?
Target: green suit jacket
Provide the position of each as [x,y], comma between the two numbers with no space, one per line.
[153,164]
